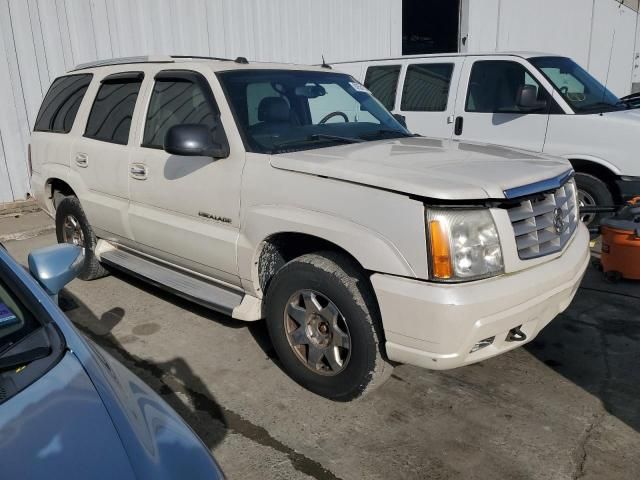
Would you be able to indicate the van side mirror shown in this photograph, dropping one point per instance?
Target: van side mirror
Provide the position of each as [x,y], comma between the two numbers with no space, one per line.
[56,266]
[527,99]
[193,140]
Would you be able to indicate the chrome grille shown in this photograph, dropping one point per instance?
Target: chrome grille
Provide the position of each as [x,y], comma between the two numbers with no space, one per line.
[543,224]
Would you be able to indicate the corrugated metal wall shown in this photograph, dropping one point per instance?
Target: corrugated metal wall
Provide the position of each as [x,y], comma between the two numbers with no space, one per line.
[41,39]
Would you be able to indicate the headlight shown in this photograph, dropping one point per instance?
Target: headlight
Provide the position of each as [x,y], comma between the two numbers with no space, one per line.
[464,244]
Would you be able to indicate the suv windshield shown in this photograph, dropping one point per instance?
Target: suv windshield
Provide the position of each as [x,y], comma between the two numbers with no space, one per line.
[287,110]
[584,93]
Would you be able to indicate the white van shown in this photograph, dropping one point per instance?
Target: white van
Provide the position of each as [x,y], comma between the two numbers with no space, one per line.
[535,101]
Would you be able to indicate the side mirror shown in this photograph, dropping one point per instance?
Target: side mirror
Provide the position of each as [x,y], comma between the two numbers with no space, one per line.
[527,99]
[56,266]
[193,140]
[402,120]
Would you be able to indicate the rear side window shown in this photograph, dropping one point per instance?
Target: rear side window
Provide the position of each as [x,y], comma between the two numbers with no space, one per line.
[60,105]
[177,101]
[112,110]
[426,87]
[494,86]
[382,82]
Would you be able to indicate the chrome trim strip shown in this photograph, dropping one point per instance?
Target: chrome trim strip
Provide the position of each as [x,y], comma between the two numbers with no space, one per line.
[537,187]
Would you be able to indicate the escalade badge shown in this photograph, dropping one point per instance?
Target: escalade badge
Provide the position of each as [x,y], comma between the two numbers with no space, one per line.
[215,218]
[558,221]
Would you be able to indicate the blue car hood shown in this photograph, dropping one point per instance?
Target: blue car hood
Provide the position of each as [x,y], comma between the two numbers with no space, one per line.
[58,428]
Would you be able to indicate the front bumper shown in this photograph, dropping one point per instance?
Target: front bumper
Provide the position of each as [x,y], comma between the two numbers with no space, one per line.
[435,326]
[629,187]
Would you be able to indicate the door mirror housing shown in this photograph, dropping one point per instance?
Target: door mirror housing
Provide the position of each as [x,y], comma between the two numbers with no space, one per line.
[55,266]
[195,141]
[402,120]
[527,99]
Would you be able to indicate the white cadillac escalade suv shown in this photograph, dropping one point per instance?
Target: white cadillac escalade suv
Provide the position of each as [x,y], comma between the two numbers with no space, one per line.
[289,193]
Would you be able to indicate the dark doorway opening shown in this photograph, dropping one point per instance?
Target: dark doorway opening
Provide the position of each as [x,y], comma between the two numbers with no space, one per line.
[430,26]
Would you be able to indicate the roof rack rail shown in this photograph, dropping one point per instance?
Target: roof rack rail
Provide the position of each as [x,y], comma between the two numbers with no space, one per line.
[125,60]
[242,60]
[202,57]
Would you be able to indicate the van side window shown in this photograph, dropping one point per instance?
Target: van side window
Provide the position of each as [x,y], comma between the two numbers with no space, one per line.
[494,86]
[112,110]
[382,82]
[175,101]
[426,87]
[60,105]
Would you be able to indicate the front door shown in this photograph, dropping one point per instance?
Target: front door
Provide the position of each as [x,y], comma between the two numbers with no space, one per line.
[185,209]
[100,156]
[487,108]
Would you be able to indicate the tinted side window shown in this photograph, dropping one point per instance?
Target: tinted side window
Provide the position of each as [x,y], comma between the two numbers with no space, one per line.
[112,110]
[382,82]
[60,105]
[426,87]
[173,102]
[494,86]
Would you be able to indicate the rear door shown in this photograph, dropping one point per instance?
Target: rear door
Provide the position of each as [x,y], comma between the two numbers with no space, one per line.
[100,156]
[486,107]
[428,96]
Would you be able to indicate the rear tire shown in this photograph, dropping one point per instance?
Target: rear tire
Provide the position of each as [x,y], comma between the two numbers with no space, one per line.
[344,360]
[72,226]
[593,192]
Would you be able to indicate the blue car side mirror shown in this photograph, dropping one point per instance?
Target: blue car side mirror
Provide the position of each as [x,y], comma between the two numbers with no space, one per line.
[56,266]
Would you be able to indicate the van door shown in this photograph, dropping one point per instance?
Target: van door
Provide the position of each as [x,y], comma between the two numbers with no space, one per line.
[487,108]
[185,209]
[100,156]
[428,96]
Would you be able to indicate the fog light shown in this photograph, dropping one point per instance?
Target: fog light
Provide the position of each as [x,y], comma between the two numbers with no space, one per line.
[482,343]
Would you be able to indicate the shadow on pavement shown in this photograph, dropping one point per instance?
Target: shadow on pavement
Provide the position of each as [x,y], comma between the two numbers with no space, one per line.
[596,344]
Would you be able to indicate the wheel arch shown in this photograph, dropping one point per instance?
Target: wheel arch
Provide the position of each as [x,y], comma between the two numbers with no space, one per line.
[599,170]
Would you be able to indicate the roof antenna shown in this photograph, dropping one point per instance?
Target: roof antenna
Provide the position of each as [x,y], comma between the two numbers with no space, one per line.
[325,64]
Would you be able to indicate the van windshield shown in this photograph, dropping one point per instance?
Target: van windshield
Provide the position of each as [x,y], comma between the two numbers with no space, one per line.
[288,110]
[584,93]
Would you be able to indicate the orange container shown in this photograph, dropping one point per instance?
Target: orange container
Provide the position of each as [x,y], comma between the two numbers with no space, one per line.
[621,243]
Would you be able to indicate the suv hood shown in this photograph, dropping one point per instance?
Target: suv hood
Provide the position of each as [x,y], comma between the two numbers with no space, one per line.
[427,167]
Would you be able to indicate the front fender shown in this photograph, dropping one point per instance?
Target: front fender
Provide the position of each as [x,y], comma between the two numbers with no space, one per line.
[371,249]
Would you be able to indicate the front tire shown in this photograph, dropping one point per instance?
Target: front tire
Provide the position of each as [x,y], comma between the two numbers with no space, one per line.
[73,227]
[325,326]
[592,192]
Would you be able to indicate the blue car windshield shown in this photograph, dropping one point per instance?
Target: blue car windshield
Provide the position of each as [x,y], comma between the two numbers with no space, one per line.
[584,93]
[288,110]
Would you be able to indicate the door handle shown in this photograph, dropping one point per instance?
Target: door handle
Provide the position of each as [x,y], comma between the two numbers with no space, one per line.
[138,171]
[82,160]
[457,129]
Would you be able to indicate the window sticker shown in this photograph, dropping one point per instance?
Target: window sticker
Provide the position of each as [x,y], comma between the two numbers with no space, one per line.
[358,87]
[7,317]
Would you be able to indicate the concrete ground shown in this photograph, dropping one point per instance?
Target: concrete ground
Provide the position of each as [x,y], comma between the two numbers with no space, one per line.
[566,406]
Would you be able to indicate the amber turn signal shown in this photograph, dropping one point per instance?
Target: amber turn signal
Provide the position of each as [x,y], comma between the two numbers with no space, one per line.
[440,252]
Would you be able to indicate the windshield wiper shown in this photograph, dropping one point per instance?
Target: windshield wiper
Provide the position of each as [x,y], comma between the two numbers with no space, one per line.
[316,137]
[19,359]
[385,132]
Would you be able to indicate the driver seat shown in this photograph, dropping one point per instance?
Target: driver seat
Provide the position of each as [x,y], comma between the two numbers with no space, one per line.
[274,113]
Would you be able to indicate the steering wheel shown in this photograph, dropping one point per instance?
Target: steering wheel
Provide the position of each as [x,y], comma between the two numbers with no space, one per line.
[329,116]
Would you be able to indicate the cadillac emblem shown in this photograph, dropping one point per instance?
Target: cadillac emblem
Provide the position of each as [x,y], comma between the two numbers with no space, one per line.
[558,221]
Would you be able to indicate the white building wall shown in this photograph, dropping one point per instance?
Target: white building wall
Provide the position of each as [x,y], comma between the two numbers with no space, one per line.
[598,34]
[41,39]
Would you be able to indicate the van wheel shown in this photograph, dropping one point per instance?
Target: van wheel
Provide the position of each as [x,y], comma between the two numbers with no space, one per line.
[73,227]
[325,326]
[592,192]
